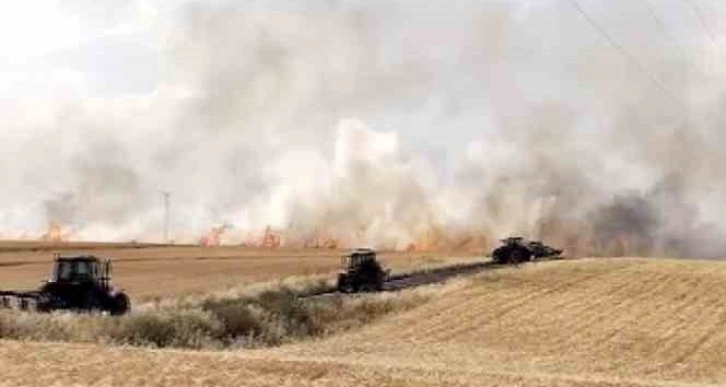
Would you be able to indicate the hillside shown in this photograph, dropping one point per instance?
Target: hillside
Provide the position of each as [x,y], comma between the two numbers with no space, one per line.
[618,322]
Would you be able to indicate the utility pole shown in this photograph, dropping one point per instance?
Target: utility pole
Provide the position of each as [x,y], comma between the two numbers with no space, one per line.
[167,196]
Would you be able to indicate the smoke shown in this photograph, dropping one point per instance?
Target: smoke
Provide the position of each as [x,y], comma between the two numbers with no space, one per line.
[404,124]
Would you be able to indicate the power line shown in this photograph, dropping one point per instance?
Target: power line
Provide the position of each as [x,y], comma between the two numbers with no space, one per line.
[663,27]
[619,48]
[630,58]
[706,119]
[705,25]
[635,63]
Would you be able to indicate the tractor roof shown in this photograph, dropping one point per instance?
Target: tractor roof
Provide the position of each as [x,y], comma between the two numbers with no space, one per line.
[77,258]
[513,238]
[362,251]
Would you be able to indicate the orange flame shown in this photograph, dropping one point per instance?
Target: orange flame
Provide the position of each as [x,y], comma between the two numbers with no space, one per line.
[55,233]
[214,237]
[430,240]
[270,240]
[324,243]
[322,240]
[438,240]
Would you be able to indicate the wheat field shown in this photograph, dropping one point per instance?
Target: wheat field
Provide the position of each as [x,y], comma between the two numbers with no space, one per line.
[592,322]
[148,271]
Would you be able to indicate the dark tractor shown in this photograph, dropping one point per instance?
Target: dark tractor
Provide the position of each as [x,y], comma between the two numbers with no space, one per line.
[541,250]
[516,250]
[81,283]
[361,272]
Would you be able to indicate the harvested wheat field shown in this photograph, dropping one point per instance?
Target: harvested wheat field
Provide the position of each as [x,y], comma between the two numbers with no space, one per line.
[152,271]
[593,322]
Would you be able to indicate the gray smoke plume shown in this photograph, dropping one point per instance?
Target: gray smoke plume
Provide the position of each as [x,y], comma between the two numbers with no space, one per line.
[394,124]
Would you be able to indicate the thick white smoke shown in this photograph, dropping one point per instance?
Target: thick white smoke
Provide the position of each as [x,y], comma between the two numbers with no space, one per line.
[385,124]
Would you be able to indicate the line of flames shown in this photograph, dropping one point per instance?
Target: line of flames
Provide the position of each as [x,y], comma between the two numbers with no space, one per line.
[575,239]
[429,241]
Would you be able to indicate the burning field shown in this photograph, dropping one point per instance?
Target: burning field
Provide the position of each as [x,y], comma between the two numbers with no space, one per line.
[226,154]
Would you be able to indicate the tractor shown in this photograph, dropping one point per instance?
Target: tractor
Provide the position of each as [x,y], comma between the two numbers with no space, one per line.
[516,250]
[540,250]
[77,283]
[361,272]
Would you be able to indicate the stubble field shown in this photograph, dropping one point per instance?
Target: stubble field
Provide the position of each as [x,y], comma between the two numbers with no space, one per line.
[590,322]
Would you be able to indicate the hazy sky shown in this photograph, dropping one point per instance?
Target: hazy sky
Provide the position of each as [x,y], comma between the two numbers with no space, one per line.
[67,48]
[236,106]
[96,49]
[83,47]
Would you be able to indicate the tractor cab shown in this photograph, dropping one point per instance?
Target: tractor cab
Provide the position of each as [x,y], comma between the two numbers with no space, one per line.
[361,271]
[83,283]
[513,241]
[80,269]
[358,258]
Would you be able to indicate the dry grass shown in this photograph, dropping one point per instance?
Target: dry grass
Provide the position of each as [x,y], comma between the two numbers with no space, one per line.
[263,315]
[151,272]
[622,322]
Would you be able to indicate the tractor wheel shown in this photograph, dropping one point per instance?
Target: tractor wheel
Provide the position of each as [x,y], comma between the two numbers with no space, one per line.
[121,304]
[44,304]
[519,255]
[500,256]
[367,288]
[91,304]
[345,285]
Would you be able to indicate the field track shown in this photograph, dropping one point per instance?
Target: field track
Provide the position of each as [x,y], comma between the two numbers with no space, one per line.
[415,278]
[604,322]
